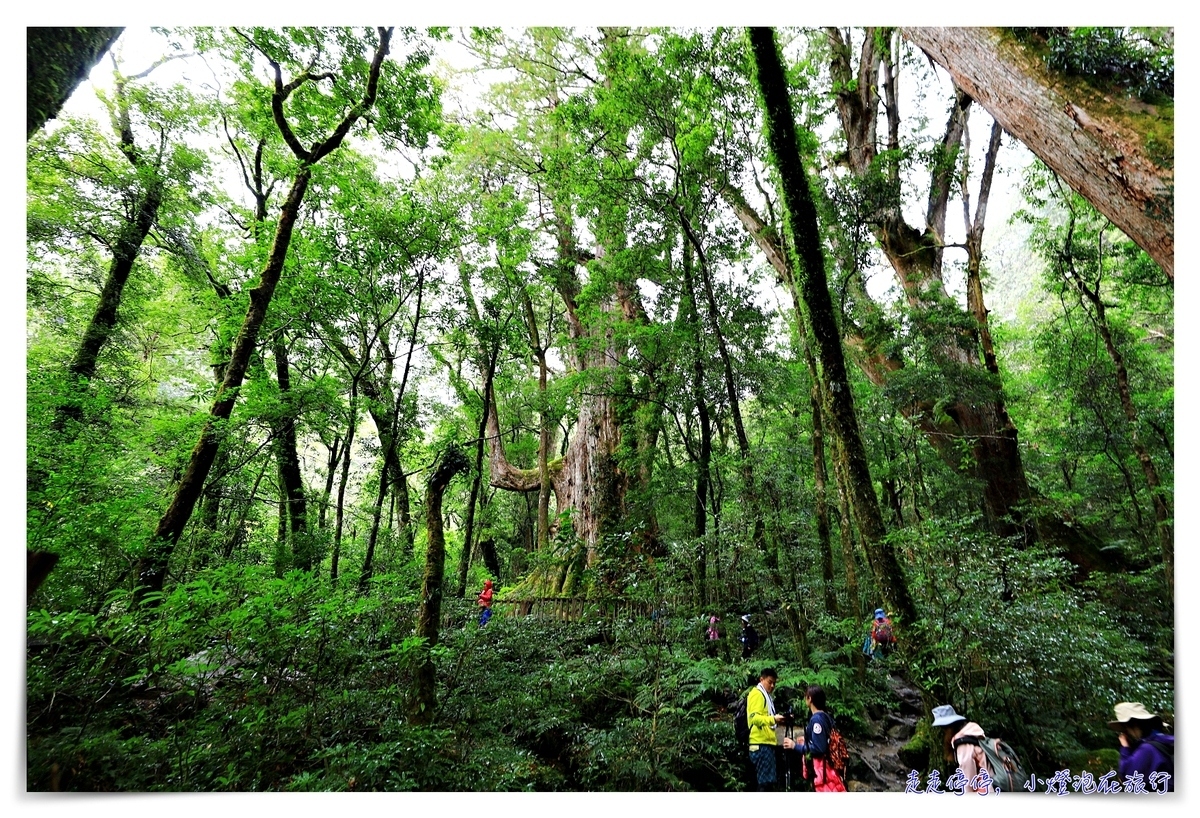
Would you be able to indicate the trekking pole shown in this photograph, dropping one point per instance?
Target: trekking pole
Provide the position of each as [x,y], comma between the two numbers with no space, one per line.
[787,759]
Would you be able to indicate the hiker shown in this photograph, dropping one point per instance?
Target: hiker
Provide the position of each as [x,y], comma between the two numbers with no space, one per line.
[748,637]
[712,637]
[762,718]
[817,732]
[485,602]
[960,743]
[882,639]
[1146,748]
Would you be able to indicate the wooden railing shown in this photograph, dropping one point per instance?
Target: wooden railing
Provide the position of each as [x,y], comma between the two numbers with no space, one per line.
[569,609]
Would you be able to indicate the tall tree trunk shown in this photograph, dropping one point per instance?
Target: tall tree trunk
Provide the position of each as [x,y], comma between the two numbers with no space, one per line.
[281,558]
[589,480]
[335,456]
[302,555]
[916,255]
[424,701]
[128,241]
[843,422]
[854,606]
[391,455]
[543,454]
[704,455]
[340,509]
[750,486]
[152,568]
[821,502]
[368,568]
[104,320]
[464,560]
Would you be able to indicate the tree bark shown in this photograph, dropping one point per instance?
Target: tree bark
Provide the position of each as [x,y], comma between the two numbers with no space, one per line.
[821,503]
[289,466]
[700,400]
[56,61]
[340,509]
[1118,153]
[464,561]
[429,614]
[853,605]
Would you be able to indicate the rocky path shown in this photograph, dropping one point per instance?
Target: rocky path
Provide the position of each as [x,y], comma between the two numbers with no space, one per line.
[875,764]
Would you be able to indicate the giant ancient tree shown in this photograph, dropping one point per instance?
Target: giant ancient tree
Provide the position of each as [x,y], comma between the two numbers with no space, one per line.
[589,481]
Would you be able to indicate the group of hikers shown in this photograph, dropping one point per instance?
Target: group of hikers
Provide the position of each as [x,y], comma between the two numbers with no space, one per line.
[983,765]
[878,643]
[821,751]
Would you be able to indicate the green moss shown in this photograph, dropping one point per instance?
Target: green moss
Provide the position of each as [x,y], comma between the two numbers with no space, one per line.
[57,60]
[921,750]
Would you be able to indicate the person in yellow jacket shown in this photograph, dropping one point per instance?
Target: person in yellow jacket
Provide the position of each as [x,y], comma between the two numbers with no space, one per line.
[762,718]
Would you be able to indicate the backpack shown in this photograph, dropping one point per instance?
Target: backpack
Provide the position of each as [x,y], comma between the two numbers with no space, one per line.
[741,726]
[1002,764]
[1168,752]
[883,632]
[838,756]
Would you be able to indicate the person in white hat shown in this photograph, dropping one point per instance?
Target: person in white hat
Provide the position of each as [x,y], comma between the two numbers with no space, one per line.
[1146,749]
[748,637]
[969,756]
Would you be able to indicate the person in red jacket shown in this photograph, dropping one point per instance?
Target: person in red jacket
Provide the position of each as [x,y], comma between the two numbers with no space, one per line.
[485,602]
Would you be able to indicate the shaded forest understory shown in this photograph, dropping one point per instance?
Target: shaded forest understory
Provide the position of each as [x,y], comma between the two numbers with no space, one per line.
[325,327]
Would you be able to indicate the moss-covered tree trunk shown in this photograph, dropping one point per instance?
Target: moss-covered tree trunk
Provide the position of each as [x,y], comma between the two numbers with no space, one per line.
[57,59]
[424,699]
[125,250]
[814,290]
[152,567]
[302,555]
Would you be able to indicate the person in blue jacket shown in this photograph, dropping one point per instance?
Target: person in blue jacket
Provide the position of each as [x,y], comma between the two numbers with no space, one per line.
[816,742]
[1147,750]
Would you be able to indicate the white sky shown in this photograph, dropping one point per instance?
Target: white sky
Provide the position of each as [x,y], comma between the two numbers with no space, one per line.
[455,12]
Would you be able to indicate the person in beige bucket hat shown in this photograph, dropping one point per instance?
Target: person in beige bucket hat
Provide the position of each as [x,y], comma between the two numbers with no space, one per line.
[1147,751]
